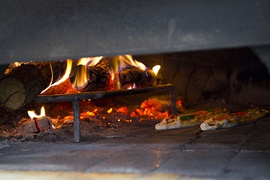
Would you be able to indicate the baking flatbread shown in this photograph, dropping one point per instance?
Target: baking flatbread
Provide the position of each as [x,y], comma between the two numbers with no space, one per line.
[187,120]
[211,120]
[233,119]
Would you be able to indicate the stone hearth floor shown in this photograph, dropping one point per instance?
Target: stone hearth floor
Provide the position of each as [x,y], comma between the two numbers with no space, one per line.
[242,152]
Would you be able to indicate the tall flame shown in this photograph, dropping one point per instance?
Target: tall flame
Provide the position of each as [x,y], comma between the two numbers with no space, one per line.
[81,77]
[89,61]
[67,73]
[33,115]
[156,69]
[129,60]
[116,65]
[63,78]
[119,63]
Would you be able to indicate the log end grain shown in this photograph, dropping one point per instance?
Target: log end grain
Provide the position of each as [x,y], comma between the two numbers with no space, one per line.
[12,93]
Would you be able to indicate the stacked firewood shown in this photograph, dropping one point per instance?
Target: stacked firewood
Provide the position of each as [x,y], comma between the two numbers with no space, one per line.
[20,85]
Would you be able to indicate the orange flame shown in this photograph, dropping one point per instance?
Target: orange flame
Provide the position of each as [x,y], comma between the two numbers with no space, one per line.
[129,60]
[33,115]
[81,77]
[118,63]
[63,78]
[67,73]
[89,61]
[156,69]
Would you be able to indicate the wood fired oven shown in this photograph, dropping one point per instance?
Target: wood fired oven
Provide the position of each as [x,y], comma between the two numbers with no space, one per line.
[153,31]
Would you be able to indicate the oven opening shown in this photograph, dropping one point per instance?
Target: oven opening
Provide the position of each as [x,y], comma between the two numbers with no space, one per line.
[121,95]
[204,115]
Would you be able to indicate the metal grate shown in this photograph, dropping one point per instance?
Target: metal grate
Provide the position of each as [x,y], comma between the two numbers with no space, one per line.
[75,98]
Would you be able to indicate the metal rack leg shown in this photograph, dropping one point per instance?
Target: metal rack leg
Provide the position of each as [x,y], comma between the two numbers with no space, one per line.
[76,122]
[173,101]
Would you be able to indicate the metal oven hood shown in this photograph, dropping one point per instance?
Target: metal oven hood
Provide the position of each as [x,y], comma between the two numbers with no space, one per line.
[50,30]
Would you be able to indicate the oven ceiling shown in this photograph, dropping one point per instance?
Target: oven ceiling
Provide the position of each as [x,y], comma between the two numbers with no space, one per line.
[53,30]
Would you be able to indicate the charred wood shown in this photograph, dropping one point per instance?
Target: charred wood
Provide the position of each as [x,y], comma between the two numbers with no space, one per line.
[98,77]
[136,76]
[22,84]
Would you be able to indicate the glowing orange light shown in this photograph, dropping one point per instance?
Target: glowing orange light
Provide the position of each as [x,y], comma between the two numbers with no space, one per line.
[132,86]
[88,113]
[68,117]
[123,110]
[110,110]
[81,77]
[112,76]
[132,114]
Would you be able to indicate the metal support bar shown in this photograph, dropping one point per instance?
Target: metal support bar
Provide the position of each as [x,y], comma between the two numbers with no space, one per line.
[173,101]
[76,121]
[101,94]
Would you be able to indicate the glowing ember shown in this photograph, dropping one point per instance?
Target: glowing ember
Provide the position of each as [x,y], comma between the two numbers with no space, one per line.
[123,110]
[110,110]
[33,115]
[88,113]
[133,86]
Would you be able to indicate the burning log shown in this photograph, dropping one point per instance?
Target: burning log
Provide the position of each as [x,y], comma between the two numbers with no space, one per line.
[136,76]
[98,77]
[131,73]
[118,72]
[63,88]
[21,85]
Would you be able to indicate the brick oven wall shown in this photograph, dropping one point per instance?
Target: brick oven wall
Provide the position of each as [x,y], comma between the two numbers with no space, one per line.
[235,76]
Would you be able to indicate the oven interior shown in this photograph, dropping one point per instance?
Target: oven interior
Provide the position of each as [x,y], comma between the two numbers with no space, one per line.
[215,54]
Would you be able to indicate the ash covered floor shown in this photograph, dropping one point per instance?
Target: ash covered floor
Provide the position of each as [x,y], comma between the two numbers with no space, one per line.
[241,152]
